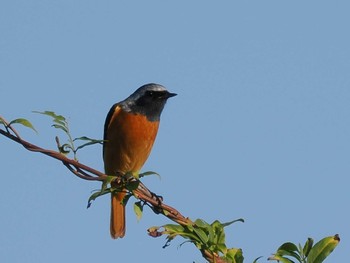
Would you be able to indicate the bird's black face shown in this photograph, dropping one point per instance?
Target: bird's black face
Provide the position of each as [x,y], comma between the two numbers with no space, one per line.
[150,100]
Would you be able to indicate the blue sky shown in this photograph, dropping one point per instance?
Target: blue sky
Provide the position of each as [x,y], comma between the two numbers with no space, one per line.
[259,130]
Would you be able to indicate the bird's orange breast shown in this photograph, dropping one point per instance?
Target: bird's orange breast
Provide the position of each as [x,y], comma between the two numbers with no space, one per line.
[128,142]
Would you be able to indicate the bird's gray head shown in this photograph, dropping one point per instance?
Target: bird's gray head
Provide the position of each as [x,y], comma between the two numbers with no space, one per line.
[148,100]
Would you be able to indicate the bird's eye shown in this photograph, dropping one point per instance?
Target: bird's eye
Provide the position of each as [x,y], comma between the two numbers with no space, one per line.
[150,93]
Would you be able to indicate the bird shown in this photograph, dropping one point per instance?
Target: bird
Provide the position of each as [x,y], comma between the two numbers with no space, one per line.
[130,130]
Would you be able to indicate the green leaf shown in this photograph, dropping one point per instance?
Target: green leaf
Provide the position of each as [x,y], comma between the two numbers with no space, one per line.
[256,260]
[65,148]
[148,174]
[289,249]
[307,247]
[280,259]
[217,225]
[288,246]
[107,181]
[221,243]
[98,193]
[61,127]
[174,228]
[293,254]
[126,199]
[233,221]
[201,223]
[84,138]
[90,141]
[300,250]
[202,235]
[186,241]
[219,234]
[235,255]
[322,249]
[87,144]
[220,248]
[211,235]
[23,122]
[57,118]
[138,209]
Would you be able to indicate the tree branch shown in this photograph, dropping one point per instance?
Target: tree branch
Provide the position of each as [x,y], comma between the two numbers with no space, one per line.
[87,173]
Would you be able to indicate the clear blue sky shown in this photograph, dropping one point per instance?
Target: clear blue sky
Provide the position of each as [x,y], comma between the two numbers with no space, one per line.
[260,128]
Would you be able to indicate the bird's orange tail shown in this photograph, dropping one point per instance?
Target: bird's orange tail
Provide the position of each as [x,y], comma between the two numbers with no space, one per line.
[117,215]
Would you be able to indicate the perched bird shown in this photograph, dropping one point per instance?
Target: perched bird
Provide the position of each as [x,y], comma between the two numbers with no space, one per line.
[130,130]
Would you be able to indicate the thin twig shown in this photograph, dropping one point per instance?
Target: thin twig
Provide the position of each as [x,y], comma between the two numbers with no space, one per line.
[56,155]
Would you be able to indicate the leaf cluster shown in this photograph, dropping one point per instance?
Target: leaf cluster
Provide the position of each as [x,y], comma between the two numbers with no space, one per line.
[309,253]
[127,182]
[61,123]
[205,236]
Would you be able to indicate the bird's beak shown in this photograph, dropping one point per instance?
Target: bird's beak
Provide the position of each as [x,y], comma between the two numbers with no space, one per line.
[169,95]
